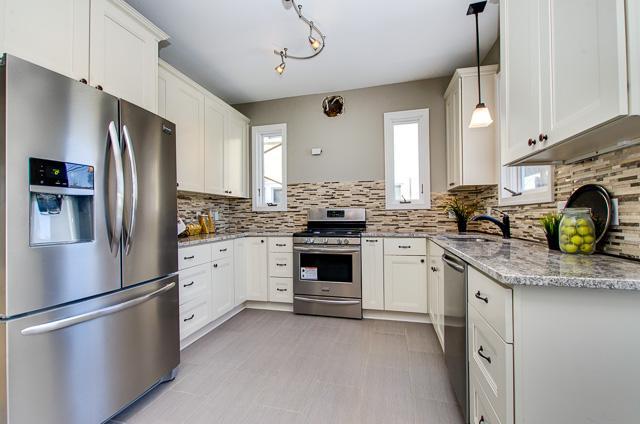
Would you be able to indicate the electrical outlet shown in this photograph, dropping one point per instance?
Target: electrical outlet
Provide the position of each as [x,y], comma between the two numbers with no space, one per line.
[561,205]
[614,212]
[216,215]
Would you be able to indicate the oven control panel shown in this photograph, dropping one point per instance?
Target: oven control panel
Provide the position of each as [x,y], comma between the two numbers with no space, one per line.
[330,241]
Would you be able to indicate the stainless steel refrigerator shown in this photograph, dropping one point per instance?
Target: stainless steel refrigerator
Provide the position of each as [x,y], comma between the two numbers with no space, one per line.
[88,261]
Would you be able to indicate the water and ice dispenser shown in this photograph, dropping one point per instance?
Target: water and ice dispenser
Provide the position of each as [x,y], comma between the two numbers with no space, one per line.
[61,202]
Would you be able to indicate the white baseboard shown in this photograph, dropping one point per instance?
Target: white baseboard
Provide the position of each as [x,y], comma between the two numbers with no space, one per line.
[187,341]
[396,316]
[269,306]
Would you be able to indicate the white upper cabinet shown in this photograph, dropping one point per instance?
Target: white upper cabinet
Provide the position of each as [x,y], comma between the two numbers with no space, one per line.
[124,53]
[212,138]
[214,124]
[585,70]
[520,48]
[52,34]
[471,152]
[184,105]
[105,43]
[236,148]
[571,78]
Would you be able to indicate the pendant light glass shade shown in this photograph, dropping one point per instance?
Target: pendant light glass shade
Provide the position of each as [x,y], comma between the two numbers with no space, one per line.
[481,117]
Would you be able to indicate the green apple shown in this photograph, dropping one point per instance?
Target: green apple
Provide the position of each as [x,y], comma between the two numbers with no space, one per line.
[584,230]
[586,248]
[568,230]
[589,239]
[564,239]
[577,240]
[570,248]
[582,222]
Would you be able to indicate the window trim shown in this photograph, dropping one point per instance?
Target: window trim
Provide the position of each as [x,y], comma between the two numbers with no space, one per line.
[421,116]
[508,174]
[257,158]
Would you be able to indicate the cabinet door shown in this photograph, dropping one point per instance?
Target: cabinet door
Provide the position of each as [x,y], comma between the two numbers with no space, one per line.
[257,269]
[235,155]
[240,257]
[222,287]
[52,34]
[453,134]
[124,53]
[405,284]
[520,44]
[433,291]
[584,78]
[372,273]
[214,115]
[184,106]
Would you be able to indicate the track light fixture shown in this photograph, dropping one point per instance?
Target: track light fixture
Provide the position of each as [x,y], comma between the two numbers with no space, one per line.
[317,42]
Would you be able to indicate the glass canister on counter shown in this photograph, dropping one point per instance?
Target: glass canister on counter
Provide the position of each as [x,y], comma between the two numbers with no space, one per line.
[577,231]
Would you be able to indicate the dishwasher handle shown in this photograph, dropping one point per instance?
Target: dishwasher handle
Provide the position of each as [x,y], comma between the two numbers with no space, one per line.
[453,263]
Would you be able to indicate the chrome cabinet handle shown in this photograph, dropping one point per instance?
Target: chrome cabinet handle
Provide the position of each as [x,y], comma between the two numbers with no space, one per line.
[483,356]
[128,235]
[189,285]
[117,158]
[337,250]
[190,318]
[68,322]
[478,295]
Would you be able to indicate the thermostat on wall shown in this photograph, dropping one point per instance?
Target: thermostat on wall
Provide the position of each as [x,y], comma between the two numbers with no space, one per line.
[316,151]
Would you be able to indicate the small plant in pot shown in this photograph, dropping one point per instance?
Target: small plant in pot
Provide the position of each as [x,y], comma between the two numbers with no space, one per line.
[462,212]
[551,225]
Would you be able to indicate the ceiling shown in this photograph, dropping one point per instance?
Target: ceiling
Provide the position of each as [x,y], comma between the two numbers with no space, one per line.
[227,46]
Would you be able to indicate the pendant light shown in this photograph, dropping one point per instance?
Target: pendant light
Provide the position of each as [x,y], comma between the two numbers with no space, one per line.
[481,116]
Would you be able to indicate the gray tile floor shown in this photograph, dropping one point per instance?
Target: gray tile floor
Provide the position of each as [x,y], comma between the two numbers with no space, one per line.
[276,367]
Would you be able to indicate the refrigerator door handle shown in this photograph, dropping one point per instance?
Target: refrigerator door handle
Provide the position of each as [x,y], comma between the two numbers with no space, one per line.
[68,322]
[117,158]
[128,234]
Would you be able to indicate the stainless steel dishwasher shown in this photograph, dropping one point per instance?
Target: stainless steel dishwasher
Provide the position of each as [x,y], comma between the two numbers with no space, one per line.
[455,329]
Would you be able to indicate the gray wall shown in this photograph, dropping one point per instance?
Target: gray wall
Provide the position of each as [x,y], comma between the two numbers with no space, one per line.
[352,144]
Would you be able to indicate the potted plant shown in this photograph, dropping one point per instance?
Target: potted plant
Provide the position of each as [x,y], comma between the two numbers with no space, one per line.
[551,225]
[461,211]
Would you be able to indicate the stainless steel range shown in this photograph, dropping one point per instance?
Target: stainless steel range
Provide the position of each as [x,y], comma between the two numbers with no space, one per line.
[327,264]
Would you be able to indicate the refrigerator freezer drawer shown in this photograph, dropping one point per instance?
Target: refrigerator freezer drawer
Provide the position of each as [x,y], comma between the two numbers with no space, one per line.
[84,362]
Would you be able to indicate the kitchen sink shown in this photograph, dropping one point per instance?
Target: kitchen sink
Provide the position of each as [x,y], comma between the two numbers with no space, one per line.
[470,239]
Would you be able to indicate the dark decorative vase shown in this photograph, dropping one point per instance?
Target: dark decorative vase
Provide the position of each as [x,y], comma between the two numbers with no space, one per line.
[462,226]
[552,242]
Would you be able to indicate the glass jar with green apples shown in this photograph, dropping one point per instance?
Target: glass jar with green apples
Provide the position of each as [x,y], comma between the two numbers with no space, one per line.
[577,231]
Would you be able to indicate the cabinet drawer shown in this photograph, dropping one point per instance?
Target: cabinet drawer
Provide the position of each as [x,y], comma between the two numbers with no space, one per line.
[194,255]
[493,301]
[280,244]
[281,265]
[195,283]
[193,316]
[281,290]
[435,250]
[221,250]
[405,246]
[492,361]
[480,409]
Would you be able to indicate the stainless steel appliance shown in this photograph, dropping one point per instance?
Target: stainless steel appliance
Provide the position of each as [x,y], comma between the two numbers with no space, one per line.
[327,264]
[88,284]
[455,329]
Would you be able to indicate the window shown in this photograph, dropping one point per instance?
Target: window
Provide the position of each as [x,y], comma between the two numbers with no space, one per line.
[406,146]
[270,168]
[521,185]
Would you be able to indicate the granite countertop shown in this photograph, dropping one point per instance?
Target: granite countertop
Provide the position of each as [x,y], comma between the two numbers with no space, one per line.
[212,238]
[517,262]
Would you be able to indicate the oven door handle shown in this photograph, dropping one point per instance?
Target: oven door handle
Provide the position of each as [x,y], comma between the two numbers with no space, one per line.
[327,302]
[327,249]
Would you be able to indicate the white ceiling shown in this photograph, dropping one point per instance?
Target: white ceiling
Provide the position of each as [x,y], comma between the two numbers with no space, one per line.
[227,46]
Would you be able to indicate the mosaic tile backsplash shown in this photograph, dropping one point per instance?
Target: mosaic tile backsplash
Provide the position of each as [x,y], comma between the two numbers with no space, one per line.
[617,171]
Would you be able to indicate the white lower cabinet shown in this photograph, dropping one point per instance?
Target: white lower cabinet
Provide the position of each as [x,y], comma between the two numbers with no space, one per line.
[405,283]
[195,283]
[193,316]
[222,288]
[480,409]
[257,270]
[240,270]
[280,290]
[373,273]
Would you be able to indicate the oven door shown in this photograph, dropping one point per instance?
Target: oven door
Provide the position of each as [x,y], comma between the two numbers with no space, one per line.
[327,271]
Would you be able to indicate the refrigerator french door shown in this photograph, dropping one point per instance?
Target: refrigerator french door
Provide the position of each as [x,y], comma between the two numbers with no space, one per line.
[149,247]
[88,272]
